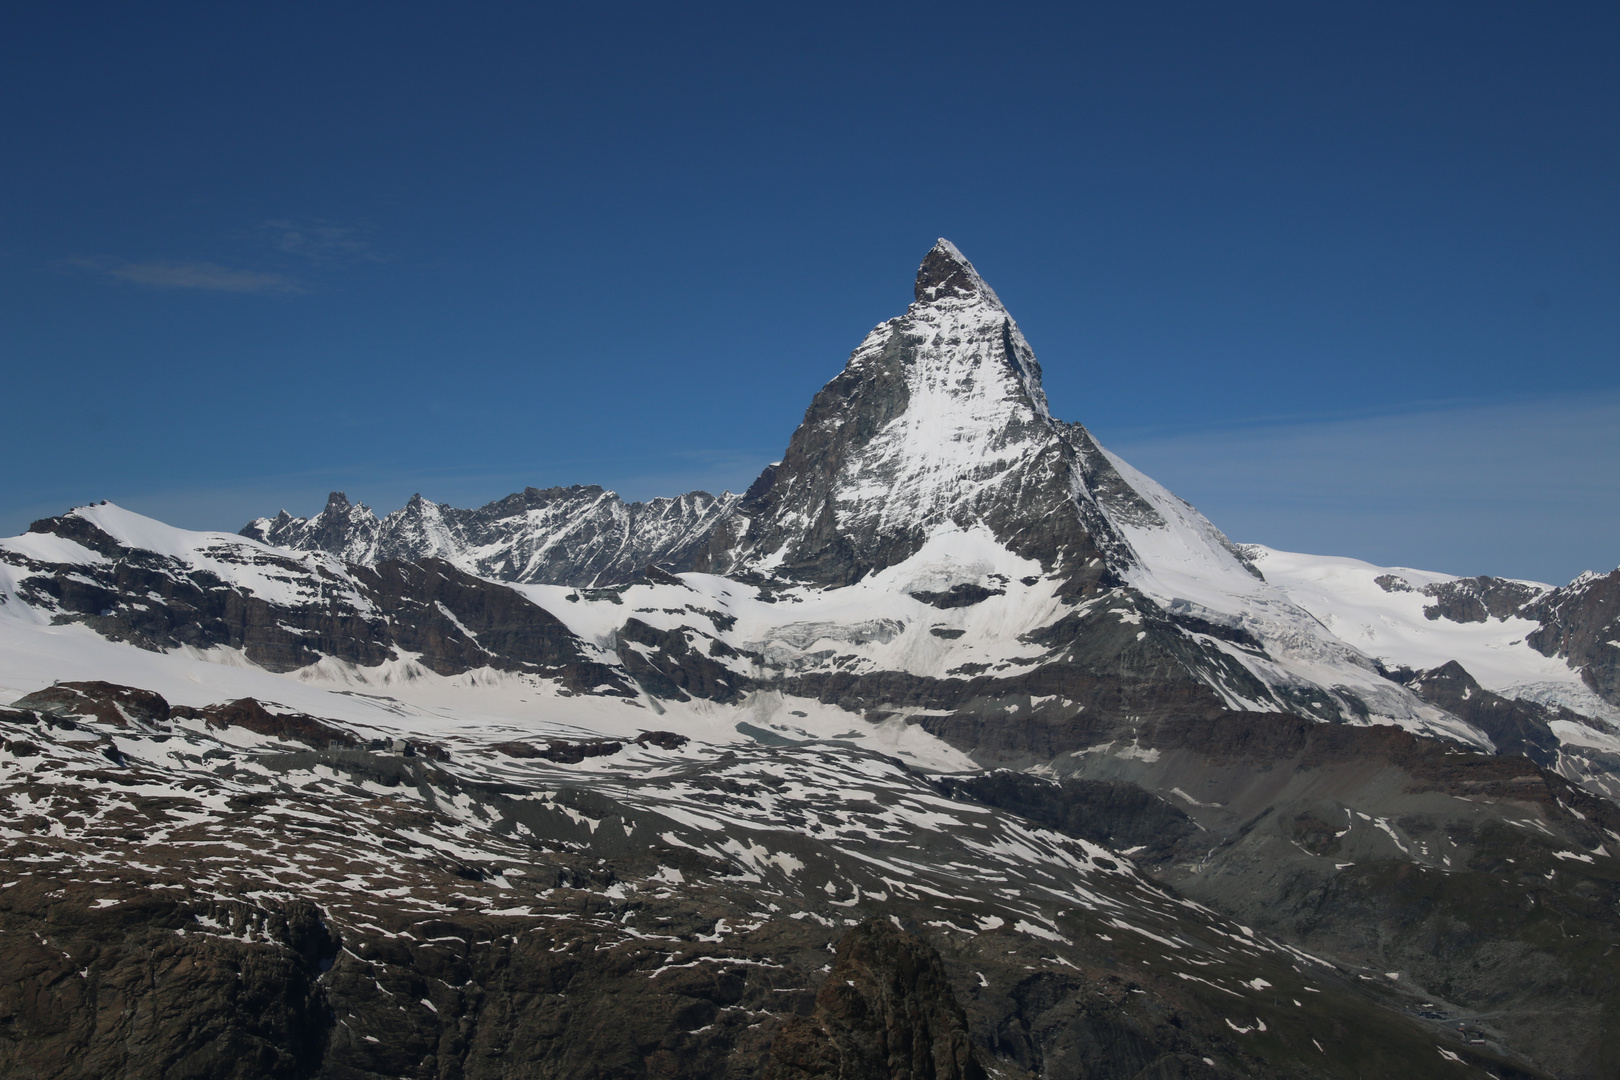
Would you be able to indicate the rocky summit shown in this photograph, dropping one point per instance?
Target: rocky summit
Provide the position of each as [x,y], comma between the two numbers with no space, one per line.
[954,747]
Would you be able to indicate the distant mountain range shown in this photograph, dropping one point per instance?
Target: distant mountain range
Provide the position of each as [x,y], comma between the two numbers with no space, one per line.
[1141,801]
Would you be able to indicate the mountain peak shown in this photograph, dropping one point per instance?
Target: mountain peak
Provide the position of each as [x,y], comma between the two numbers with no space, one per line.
[946,272]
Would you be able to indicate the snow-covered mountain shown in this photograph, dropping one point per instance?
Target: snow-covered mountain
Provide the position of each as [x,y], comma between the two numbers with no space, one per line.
[938,580]
[938,427]
[933,546]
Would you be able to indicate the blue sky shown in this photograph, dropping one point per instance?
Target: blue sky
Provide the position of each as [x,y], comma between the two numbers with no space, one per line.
[1346,277]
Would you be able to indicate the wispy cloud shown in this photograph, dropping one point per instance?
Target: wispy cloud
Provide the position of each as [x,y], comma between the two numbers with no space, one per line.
[204,276]
[320,241]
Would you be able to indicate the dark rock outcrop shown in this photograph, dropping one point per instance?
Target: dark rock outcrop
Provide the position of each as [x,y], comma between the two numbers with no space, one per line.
[1477,599]
[159,602]
[124,991]
[251,715]
[1389,853]
[286,612]
[963,595]
[457,622]
[668,665]
[1516,727]
[104,701]
[1581,622]
[561,750]
[886,1012]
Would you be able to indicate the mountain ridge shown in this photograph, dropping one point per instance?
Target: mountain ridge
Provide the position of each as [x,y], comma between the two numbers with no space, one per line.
[938,418]
[950,665]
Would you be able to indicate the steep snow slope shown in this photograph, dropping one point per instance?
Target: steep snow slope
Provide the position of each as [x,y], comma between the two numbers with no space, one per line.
[965,414]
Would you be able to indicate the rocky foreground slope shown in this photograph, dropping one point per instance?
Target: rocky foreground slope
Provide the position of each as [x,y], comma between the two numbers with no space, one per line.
[954,747]
[242,891]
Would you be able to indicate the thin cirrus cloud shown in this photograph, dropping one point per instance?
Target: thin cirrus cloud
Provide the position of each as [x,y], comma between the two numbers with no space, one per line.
[201,276]
[319,241]
[314,244]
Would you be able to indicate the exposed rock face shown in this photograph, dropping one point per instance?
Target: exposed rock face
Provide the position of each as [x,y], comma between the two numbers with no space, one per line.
[1390,853]
[156,600]
[670,666]
[572,752]
[962,594]
[286,611]
[886,1012]
[1109,812]
[104,701]
[121,990]
[580,536]
[251,715]
[350,532]
[129,706]
[1581,622]
[458,622]
[1476,599]
[1516,727]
